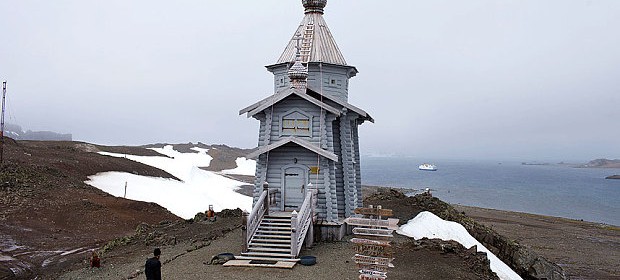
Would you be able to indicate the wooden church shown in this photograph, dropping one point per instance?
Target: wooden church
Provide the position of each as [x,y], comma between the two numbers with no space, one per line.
[307,173]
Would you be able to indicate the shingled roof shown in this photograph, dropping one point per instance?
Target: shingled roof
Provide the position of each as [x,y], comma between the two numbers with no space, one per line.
[317,42]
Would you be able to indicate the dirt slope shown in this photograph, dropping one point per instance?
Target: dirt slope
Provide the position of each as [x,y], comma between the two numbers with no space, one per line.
[50,217]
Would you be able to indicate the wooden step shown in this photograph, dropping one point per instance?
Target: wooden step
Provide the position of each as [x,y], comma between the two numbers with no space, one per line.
[287,245]
[271,240]
[266,259]
[274,235]
[267,249]
[274,232]
[270,225]
[248,263]
[267,255]
[277,219]
[282,225]
[263,224]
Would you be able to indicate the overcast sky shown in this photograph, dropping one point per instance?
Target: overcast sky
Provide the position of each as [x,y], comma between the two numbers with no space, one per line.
[499,79]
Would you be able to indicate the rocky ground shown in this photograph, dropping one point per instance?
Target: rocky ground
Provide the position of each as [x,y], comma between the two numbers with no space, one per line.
[585,250]
[189,246]
[51,221]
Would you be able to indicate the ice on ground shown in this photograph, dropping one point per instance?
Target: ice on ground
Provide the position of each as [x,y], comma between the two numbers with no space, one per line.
[244,167]
[427,224]
[197,189]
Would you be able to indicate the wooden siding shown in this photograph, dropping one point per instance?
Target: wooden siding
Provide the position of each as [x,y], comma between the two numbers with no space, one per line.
[280,77]
[320,77]
[284,156]
[338,175]
[345,147]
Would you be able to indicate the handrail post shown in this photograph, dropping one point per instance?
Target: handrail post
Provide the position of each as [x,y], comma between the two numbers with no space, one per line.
[244,231]
[266,188]
[310,236]
[294,234]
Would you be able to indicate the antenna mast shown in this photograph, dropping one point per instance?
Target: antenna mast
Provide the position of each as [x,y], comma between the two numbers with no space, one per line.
[2,124]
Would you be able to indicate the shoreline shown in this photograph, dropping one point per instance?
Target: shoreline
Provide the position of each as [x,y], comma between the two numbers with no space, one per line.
[585,250]
[410,191]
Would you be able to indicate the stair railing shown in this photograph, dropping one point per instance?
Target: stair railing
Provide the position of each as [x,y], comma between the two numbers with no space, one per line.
[250,223]
[301,223]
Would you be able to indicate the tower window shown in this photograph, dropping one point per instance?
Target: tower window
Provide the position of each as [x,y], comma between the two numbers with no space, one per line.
[333,81]
[296,123]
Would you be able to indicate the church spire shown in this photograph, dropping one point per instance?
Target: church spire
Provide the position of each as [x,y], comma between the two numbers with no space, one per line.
[318,44]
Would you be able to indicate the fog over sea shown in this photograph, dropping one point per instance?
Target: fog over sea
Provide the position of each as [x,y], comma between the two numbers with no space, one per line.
[554,190]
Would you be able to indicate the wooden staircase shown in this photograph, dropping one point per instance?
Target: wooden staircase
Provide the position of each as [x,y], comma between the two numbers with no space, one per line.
[272,240]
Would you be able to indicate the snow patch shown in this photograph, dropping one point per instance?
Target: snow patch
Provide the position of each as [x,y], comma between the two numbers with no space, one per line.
[427,224]
[197,189]
[244,167]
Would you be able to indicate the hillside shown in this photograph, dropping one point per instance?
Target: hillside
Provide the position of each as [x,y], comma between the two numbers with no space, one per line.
[47,210]
[52,220]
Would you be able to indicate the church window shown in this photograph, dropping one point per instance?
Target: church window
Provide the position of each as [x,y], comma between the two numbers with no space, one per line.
[296,123]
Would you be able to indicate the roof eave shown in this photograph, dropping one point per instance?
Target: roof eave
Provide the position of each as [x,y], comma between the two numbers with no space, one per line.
[353,70]
[292,139]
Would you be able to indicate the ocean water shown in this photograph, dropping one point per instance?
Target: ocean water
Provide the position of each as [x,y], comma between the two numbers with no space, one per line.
[553,190]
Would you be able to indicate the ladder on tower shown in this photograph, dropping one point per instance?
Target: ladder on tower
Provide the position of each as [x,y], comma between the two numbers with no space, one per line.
[306,44]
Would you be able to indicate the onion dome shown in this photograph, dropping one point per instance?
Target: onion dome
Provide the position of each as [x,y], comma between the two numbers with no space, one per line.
[314,6]
[298,73]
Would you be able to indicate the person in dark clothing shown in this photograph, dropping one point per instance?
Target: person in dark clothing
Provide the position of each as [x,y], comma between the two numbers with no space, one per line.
[94,260]
[152,268]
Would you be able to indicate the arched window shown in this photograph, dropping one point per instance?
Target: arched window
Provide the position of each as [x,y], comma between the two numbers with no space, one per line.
[296,123]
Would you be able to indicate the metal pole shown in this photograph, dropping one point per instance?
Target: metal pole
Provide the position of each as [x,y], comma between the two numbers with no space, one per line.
[2,124]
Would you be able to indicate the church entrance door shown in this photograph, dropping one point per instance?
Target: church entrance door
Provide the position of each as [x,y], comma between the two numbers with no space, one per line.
[294,187]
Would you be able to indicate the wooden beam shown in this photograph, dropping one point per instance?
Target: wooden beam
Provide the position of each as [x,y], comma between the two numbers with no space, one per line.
[374,212]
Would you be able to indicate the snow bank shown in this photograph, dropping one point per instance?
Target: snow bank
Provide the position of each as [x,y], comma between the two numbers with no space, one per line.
[426,224]
[244,167]
[194,193]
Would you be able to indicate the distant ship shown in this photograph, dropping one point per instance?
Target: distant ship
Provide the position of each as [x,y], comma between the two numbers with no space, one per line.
[427,167]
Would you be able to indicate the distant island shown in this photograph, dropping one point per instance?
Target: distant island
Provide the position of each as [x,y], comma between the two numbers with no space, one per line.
[16,132]
[602,163]
[535,163]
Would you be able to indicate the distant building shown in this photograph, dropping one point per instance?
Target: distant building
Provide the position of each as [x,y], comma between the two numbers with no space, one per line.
[308,137]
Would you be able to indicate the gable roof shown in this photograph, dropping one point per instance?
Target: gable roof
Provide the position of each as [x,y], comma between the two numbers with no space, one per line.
[346,105]
[279,96]
[299,141]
